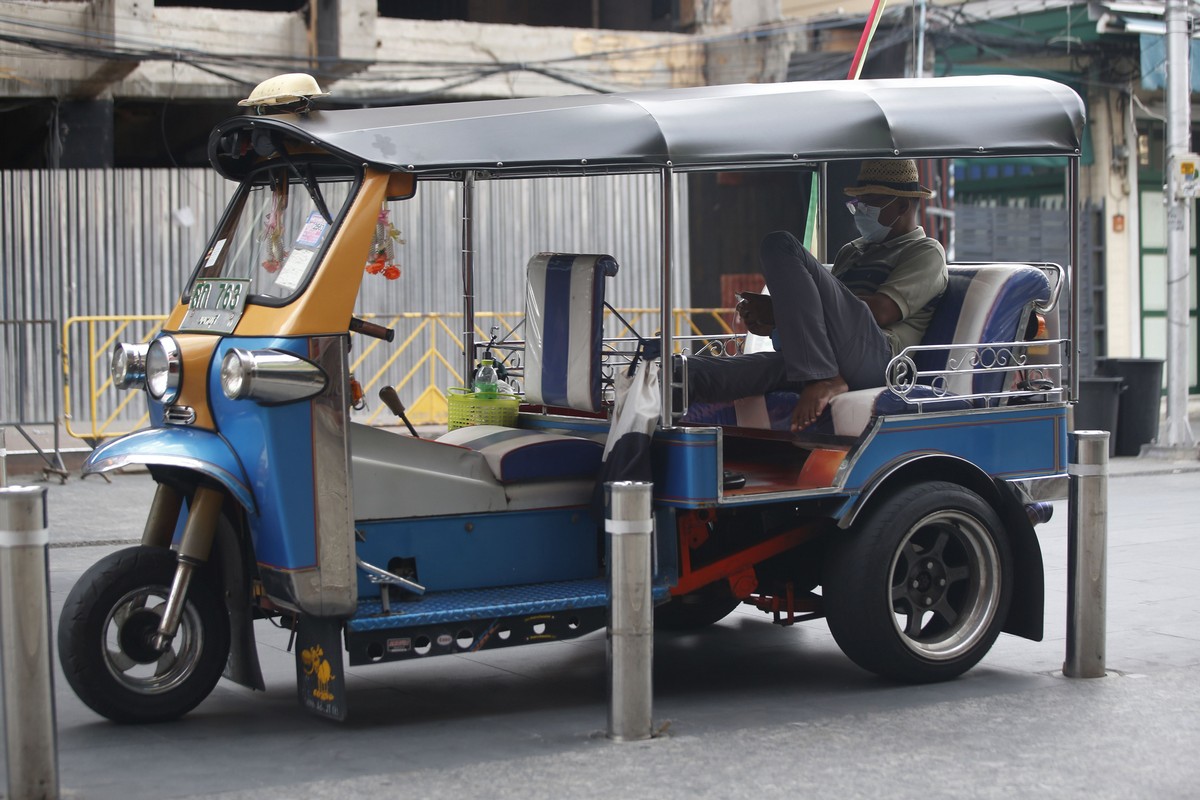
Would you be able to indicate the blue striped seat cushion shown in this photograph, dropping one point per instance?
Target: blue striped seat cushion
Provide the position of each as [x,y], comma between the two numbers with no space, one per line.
[564,316]
[982,303]
[515,455]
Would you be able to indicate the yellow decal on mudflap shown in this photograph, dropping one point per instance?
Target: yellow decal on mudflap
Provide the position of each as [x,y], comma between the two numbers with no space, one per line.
[315,664]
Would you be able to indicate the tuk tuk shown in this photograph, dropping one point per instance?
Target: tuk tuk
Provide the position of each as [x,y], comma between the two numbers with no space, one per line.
[905,517]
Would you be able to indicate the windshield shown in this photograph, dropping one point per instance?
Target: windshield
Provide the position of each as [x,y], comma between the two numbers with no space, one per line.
[275,229]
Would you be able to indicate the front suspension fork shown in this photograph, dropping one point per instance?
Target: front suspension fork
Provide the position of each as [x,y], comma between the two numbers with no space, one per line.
[194,548]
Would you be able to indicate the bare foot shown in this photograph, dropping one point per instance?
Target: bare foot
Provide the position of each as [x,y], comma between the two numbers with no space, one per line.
[814,398]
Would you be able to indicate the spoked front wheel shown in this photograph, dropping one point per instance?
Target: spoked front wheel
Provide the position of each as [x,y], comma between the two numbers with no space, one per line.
[919,588]
[106,638]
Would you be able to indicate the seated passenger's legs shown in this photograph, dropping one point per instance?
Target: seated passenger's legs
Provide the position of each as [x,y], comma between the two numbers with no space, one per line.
[718,379]
[824,330]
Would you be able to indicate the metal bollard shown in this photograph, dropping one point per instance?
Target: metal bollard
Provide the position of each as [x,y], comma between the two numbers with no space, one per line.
[1087,543]
[31,745]
[629,526]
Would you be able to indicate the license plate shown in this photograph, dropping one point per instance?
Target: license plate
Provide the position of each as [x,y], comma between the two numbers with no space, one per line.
[216,305]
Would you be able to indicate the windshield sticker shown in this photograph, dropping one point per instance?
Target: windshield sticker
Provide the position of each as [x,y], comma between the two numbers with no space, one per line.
[215,253]
[294,269]
[313,231]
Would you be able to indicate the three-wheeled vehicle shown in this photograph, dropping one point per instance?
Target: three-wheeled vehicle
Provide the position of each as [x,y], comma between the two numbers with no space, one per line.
[904,517]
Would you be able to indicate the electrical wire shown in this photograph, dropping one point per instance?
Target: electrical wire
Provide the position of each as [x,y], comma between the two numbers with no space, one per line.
[1006,41]
[455,74]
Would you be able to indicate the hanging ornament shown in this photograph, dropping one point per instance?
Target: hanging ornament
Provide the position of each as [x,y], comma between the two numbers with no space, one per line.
[382,258]
[274,253]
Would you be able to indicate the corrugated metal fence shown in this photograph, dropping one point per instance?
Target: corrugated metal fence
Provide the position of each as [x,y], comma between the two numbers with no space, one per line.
[87,243]
[76,242]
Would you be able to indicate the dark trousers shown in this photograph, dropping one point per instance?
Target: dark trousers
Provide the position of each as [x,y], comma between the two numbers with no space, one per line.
[823,330]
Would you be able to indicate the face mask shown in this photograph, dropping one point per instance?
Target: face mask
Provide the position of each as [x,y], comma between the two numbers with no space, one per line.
[866,219]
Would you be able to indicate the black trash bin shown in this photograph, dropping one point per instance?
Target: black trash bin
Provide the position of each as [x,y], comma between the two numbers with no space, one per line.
[1098,405]
[1137,418]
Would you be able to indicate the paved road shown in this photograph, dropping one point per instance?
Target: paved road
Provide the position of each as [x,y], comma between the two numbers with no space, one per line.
[749,709]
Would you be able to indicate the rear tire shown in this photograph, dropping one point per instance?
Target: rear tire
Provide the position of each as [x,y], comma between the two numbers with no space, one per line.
[919,588]
[105,638]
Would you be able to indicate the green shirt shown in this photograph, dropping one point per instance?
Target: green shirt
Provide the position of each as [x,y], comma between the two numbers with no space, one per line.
[910,270]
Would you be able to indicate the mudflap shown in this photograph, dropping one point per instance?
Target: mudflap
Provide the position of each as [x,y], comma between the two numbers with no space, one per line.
[1027,613]
[320,667]
[229,555]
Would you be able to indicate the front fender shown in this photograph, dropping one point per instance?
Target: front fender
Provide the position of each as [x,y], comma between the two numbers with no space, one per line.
[201,451]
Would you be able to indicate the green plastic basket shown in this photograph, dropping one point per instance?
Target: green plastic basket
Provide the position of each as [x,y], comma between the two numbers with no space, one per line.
[467,408]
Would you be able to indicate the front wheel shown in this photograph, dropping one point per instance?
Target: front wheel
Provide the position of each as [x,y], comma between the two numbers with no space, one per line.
[106,633]
[919,588]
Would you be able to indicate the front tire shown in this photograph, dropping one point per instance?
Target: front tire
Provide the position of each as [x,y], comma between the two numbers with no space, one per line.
[919,589]
[105,638]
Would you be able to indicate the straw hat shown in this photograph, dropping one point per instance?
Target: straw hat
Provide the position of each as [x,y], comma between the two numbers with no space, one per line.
[897,177]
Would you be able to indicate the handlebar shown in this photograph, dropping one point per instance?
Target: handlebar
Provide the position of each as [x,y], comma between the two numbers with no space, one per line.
[371,329]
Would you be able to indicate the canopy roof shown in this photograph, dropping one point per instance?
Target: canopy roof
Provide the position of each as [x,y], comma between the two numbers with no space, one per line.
[707,126]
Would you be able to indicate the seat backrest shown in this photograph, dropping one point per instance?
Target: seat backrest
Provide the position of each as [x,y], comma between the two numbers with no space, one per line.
[564,321]
[982,304]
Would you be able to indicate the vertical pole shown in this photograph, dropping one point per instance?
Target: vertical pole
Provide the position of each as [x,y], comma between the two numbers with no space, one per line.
[31,746]
[822,231]
[919,65]
[1075,284]
[1087,543]
[468,275]
[667,299]
[56,403]
[3,461]
[1179,218]
[629,526]
[1133,224]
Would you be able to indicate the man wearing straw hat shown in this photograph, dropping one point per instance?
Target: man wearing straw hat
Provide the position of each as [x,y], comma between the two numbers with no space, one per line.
[835,330]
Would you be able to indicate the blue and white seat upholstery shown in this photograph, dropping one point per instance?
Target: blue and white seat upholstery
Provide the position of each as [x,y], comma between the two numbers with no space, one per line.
[564,317]
[515,455]
[982,304]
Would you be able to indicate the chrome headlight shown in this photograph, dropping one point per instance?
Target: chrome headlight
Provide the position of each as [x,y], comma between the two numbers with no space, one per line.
[235,373]
[164,369]
[269,376]
[128,365]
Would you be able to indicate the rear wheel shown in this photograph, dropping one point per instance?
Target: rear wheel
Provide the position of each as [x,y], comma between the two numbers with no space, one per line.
[106,633]
[919,588]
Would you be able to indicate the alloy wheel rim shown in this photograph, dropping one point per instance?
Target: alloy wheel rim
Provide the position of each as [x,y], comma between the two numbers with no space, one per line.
[945,586]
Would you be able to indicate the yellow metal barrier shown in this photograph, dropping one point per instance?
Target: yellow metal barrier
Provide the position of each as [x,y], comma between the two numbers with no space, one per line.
[422,363]
[87,343]
[437,368]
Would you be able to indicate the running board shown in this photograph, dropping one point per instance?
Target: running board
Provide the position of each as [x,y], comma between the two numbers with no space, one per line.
[470,620]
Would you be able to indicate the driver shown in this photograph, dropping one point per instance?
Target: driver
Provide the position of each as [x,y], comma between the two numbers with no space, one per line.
[835,330]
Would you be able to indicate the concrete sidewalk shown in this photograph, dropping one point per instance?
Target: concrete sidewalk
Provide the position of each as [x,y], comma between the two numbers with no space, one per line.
[748,709]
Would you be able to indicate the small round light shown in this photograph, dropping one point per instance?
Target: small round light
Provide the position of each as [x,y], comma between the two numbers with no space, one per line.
[164,369]
[128,365]
[235,373]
